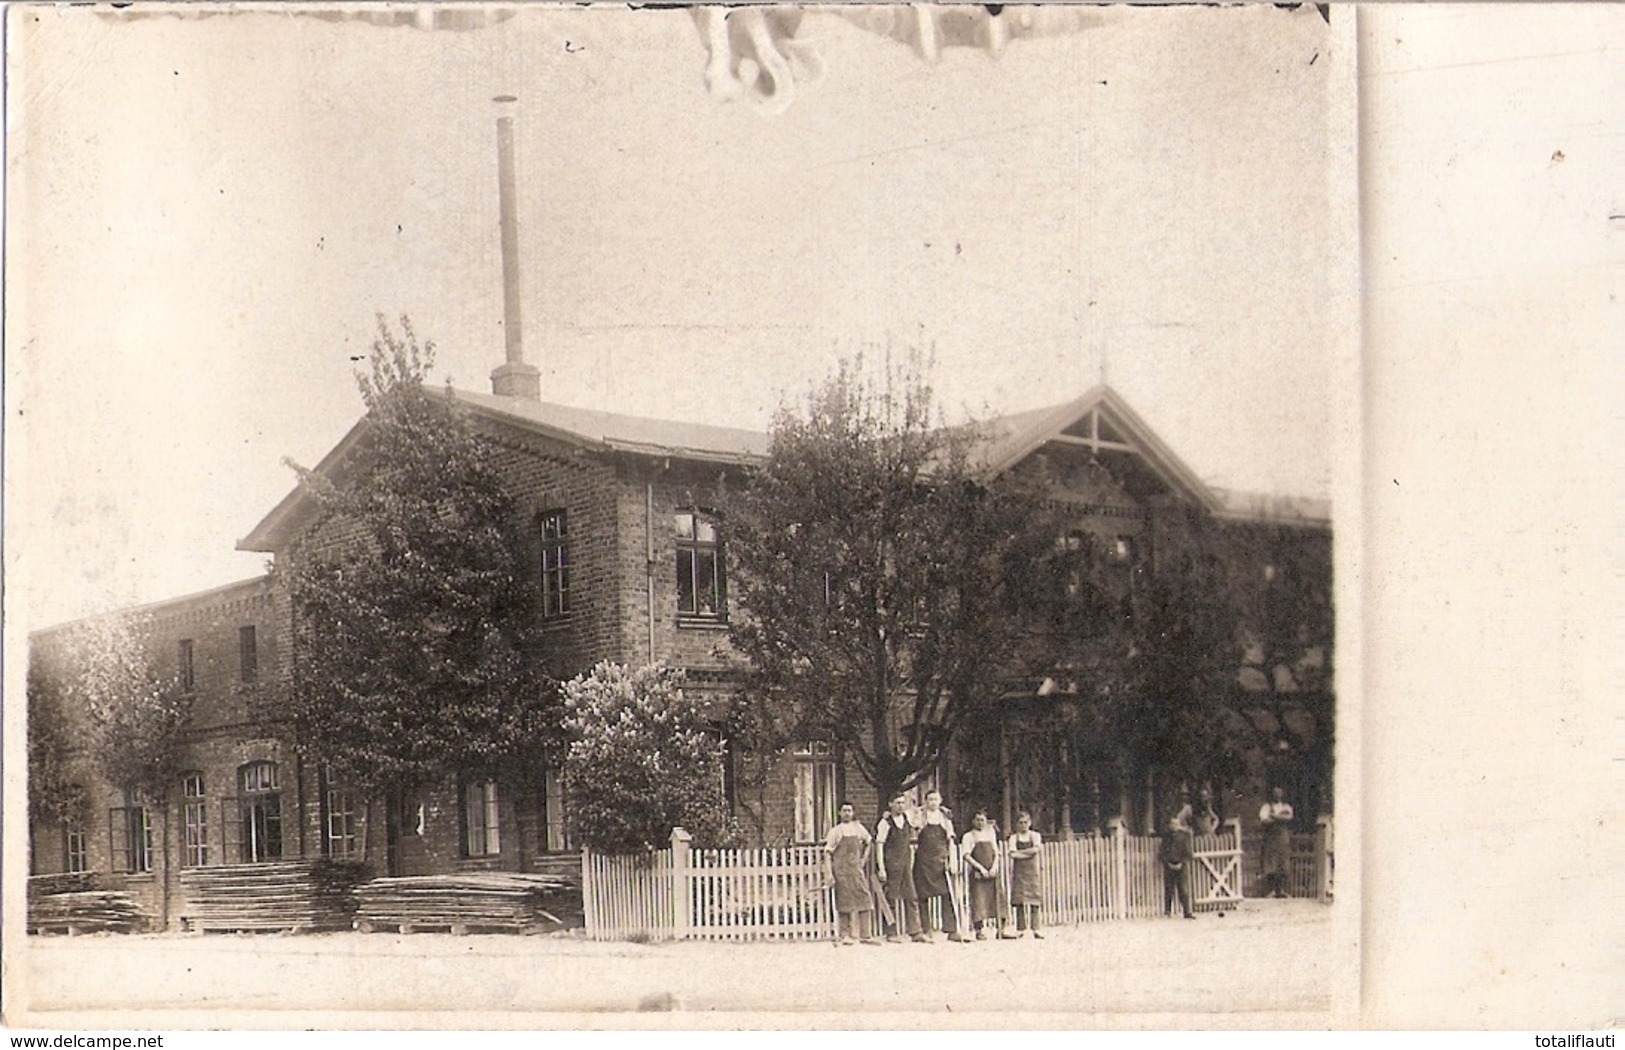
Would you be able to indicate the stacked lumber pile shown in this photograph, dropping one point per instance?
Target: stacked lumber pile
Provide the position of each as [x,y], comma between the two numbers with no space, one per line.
[62,882]
[566,903]
[483,901]
[70,904]
[296,896]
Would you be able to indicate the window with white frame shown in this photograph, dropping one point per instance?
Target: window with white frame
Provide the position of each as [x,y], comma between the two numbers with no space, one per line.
[481,823]
[701,587]
[260,805]
[194,821]
[341,826]
[725,783]
[555,532]
[556,835]
[130,836]
[816,790]
[73,848]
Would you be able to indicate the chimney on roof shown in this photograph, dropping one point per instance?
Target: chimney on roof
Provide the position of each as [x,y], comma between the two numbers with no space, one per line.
[514,377]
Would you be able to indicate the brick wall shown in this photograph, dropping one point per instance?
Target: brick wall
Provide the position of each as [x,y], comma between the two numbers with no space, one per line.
[650,497]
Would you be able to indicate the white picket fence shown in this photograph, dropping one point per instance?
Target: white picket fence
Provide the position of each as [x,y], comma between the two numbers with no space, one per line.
[682,893]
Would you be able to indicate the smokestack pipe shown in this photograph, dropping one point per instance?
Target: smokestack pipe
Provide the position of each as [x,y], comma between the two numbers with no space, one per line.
[514,377]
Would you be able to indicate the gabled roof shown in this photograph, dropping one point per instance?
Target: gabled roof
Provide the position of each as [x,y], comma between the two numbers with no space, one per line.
[1099,423]
[584,428]
[614,432]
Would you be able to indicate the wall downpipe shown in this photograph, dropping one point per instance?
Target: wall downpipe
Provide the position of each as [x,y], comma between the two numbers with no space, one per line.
[649,558]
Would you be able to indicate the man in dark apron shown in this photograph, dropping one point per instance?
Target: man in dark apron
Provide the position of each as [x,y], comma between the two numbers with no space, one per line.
[933,858]
[896,837]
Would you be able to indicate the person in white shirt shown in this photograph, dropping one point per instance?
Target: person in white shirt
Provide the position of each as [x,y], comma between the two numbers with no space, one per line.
[980,849]
[1275,817]
[895,838]
[1025,849]
[848,848]
[934,861]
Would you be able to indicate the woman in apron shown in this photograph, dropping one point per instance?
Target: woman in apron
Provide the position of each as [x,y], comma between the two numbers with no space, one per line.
[1026,845]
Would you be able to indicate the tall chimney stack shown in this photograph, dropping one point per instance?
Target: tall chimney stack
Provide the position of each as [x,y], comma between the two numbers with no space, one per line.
[514,377]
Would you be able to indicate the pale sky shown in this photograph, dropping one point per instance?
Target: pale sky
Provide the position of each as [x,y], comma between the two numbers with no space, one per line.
[205,213]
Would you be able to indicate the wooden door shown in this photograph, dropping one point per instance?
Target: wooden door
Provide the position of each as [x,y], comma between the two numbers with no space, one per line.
[407,853]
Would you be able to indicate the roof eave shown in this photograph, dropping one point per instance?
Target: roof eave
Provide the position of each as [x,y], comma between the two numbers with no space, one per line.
[1160,457]
[696,455]
[272,530]
[1042,430]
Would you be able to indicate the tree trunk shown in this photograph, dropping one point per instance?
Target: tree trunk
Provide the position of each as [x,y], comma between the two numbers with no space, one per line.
[163,868]
[888,774]
[1006,776]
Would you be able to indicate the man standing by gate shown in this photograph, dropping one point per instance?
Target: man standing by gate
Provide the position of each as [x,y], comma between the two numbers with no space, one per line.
[1175,853]
[895,838]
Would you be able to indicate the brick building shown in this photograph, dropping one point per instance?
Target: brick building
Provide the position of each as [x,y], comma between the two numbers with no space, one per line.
[632,558]
[241,792]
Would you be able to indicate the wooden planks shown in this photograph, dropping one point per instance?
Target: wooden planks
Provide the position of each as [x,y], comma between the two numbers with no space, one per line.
[462,903]
[295,896]
[84,911]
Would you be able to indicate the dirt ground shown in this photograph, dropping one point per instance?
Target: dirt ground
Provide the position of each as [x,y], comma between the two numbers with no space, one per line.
[1270,964]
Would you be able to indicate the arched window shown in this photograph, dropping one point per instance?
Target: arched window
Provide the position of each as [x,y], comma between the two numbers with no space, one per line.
[260,808]
[194,821]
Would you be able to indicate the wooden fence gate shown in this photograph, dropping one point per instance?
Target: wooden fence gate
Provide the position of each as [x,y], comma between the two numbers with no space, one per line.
[1216,875]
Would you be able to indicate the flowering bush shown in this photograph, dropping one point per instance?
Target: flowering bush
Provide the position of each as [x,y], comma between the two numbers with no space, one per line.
[640,761]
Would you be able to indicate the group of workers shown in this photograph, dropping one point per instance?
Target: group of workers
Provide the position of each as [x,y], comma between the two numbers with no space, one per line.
[908,863]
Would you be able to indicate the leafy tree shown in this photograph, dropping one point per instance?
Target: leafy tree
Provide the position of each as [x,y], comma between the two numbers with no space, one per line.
[1176,715]
[136,717]
[414,622]
[1285,595]
[1152,647]
[640,761]
[52,793]
[880,579]
[1287,609]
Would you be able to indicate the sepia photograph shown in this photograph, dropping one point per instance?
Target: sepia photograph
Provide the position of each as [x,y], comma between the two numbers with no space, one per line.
[541,516]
